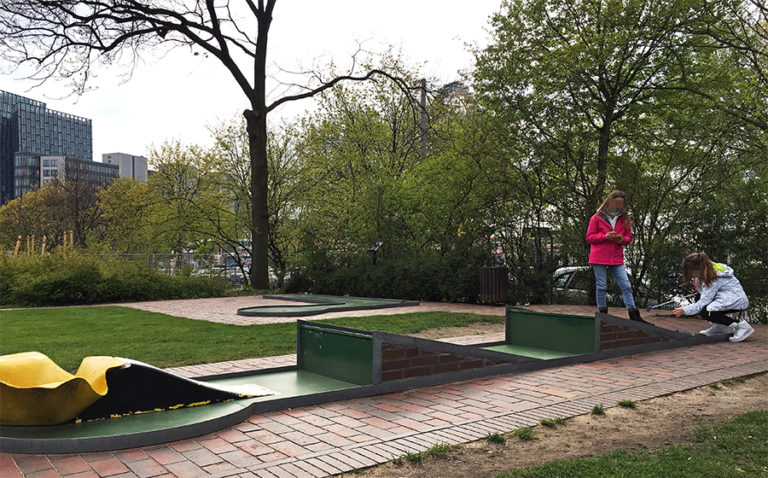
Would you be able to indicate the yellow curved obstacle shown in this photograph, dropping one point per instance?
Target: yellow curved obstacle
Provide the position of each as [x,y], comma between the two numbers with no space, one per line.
[36,391]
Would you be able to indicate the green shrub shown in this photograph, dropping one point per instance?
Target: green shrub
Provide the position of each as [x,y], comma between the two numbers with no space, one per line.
[73,278]
[432,276]
[78,283]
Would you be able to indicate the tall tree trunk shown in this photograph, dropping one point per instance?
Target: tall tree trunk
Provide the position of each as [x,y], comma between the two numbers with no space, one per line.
[595,199]
[256,124]
[602,165]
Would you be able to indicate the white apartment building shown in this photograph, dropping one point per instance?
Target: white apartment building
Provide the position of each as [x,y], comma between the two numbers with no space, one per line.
[130,166]
[66,168]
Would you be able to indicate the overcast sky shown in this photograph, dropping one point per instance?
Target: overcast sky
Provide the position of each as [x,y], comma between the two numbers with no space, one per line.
[178,96]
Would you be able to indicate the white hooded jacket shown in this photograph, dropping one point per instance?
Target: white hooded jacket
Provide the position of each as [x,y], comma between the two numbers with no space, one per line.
[725,293]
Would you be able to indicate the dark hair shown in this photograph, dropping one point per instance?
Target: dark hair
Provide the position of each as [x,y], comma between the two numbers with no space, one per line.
[699,265]
[615,194]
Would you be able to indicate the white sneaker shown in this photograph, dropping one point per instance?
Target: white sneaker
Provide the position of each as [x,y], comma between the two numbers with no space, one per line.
[741,331]
[715,329]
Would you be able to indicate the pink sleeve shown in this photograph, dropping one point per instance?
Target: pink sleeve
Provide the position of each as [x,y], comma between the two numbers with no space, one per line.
[593,234]
[627,236]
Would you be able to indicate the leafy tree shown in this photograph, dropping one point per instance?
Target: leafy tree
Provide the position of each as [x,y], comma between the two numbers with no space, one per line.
[128,208]
[374,176]
[566,74]
[33,214]
[590,96]
[200,199]
[356,149]
[183,206]
[739,29]
[79,201]
[69,203]
[286,185]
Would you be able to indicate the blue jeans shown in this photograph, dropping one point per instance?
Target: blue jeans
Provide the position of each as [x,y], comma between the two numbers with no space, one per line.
[601,280]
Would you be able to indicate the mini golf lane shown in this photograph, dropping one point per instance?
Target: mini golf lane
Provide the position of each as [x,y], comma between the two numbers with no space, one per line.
[320,304]
[533,352]
[170,425]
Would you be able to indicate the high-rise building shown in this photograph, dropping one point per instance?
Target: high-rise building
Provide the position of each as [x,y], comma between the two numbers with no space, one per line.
[29,130]
[130,166]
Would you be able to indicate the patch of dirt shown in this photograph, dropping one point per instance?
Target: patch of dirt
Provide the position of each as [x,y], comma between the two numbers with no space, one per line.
[477,328]
[655,423]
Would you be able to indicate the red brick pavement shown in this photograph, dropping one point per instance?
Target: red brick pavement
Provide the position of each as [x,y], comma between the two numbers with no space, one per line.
[337,437]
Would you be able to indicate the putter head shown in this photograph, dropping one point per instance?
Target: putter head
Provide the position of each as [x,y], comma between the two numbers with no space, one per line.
[649,308]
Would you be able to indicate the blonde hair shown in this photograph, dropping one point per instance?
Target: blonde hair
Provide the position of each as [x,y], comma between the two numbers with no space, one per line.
[699,265]
[615,194]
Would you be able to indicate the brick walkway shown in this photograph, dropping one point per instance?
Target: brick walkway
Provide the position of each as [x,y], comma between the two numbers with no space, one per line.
[224,310]
[341,436]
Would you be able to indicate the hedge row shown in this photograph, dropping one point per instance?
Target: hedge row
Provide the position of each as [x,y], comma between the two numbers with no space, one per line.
[452,277]
[73,278]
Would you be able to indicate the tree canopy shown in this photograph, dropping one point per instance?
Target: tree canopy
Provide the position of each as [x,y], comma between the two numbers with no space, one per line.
[635,95]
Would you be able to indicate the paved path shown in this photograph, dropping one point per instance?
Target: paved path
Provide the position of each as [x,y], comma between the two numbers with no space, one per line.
[224,310]
[338,437]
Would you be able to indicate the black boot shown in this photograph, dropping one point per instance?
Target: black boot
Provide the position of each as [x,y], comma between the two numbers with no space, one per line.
[634,314]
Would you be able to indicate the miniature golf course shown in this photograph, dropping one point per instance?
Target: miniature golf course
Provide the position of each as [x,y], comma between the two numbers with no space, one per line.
[336,363]
[547,336]
[320,304]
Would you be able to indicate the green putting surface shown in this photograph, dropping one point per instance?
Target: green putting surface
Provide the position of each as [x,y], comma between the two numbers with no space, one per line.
[320,304]
[285,384]
[291,383]
[127,425]
[533,352]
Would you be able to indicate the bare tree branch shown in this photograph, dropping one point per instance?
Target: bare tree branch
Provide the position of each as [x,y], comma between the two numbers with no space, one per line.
[401,84]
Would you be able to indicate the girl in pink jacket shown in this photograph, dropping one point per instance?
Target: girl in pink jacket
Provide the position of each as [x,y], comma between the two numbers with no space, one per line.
[608,232]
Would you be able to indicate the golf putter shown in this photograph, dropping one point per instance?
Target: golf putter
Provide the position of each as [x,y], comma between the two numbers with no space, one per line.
[651,307]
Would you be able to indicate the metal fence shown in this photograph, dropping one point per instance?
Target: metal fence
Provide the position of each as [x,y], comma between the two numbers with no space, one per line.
[200,265]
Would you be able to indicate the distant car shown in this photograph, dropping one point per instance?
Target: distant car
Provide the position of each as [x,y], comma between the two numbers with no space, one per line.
[236,277]
[575,283]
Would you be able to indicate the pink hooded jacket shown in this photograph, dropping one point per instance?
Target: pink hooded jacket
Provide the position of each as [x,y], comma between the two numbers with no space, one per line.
[605,251]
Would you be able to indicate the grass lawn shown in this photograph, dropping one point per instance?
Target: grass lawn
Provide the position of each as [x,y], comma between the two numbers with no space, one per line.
[736,448]
[67,335]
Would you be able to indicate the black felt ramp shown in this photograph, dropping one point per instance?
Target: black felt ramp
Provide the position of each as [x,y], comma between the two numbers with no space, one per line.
[140,387]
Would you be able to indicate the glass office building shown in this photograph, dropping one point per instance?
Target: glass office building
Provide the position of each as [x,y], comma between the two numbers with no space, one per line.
[29,130]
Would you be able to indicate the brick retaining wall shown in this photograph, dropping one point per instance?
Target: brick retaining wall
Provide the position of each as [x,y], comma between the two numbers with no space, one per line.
[399,362]
[617,336]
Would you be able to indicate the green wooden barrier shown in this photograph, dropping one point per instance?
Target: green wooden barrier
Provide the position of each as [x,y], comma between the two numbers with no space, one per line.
[574,334]
[339,354]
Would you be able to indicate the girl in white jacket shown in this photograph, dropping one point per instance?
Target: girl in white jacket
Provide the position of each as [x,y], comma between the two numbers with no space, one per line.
[721,294]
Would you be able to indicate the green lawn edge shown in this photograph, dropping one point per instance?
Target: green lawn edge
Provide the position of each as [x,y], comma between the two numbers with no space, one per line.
[735,448]
[68,334]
